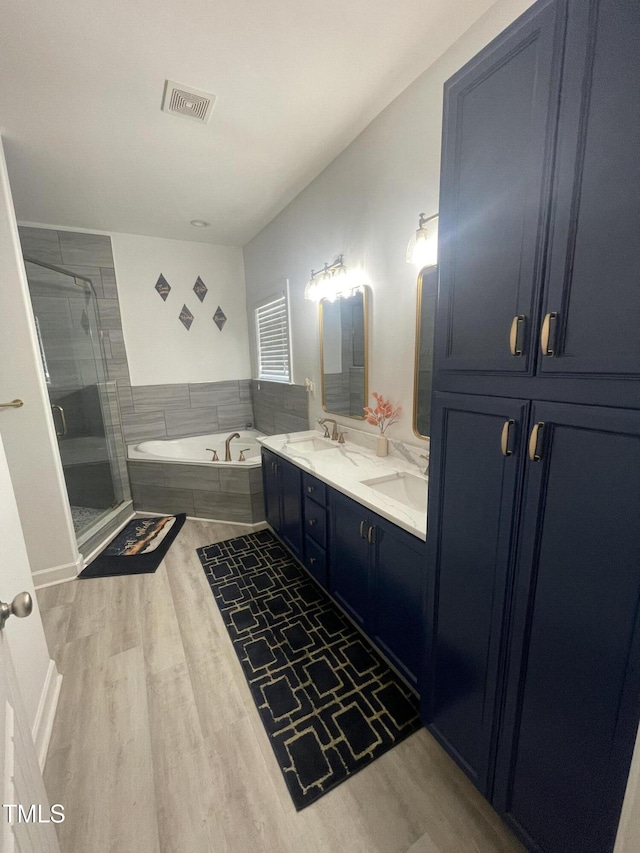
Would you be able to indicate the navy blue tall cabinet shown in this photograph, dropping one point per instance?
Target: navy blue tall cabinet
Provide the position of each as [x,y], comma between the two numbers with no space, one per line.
[532,676]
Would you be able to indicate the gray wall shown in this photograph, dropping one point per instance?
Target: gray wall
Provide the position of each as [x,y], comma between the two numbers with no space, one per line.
[366,205]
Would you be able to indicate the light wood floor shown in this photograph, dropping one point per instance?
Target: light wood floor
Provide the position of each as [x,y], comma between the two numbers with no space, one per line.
[157,745]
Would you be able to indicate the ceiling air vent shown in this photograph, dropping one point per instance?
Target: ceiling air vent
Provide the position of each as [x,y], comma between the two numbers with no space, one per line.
[185,101]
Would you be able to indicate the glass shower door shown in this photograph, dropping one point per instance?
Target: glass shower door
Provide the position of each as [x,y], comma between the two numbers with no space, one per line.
[65,311]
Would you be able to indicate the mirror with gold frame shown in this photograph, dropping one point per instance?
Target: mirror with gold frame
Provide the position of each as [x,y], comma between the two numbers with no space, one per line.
[425,327]
[343,354]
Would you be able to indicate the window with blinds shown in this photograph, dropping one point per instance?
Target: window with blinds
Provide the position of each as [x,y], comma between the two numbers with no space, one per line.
[272,329]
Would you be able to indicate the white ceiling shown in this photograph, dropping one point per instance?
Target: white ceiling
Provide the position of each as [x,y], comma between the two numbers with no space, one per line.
[81,84]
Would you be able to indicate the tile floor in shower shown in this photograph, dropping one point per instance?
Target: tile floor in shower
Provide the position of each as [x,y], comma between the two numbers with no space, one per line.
[84,517]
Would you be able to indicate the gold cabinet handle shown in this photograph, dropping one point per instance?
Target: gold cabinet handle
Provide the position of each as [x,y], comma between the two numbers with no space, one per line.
[504,440]
[362,523]
[534,438]
[515,336]
[547,334]
[313,522]
[370,536]
[312,561]
[14,404]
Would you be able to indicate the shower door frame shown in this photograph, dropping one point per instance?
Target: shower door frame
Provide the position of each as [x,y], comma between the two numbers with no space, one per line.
[102,521]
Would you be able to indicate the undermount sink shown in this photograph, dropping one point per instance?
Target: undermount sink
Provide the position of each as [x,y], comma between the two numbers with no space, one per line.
[309,445]
[403,487]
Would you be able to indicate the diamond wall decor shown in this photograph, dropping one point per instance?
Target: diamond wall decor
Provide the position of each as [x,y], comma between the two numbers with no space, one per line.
[219,318]
[186,317]
[163,287]
[200,289]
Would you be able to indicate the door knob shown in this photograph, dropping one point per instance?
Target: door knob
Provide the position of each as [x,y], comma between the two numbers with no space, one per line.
[21,606]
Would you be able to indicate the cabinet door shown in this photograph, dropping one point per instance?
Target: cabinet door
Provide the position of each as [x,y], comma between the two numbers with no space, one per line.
[574,675]
[499,121]
[271,489]
[291,529]
[397,597]
[470,533]
[595,253]
[350,557]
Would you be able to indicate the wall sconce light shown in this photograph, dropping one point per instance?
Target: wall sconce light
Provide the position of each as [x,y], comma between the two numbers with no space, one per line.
[423,245]
[331,282]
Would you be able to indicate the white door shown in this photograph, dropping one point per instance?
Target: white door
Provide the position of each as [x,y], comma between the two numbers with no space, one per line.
[26,821]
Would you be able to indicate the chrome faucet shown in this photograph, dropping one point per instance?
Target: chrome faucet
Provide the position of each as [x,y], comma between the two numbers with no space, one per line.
[227,446]
[334,431]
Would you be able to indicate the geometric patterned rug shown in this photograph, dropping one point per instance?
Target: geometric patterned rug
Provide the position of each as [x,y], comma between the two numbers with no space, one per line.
[328,701]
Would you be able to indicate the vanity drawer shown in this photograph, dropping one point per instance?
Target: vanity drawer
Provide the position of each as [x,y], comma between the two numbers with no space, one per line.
[315,559]
[313,488]
[315,521]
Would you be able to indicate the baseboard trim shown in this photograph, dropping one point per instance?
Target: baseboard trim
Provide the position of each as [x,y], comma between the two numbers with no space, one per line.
[43,723]
[250,527]
[57,574]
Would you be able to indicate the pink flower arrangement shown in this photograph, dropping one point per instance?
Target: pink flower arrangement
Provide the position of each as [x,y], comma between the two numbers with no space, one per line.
[384,415]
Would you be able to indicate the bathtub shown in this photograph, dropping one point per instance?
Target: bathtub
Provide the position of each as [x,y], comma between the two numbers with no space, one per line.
[177,475]
[194,449]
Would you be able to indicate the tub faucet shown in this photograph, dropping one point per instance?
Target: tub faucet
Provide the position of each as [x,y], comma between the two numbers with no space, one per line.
[227,446]
[334,431]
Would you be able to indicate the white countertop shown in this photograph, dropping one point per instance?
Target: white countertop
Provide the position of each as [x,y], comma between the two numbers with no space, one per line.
[345,466]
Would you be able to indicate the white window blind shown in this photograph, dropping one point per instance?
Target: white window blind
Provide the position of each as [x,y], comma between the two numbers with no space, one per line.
[272,329]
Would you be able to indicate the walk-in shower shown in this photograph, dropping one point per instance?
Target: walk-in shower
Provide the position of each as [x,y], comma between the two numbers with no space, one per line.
[84,406]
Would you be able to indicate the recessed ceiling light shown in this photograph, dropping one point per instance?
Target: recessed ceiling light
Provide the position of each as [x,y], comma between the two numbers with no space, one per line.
[199,223]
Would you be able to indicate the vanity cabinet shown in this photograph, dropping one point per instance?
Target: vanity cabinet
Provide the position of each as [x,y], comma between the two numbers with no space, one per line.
[377,572]
[532,670]
[371,567]
[315,528]
[350,557]
[283,507]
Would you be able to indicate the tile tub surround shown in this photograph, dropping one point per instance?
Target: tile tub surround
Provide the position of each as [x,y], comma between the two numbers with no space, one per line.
[345,467]
[177,411]
[201,490]
[279,408]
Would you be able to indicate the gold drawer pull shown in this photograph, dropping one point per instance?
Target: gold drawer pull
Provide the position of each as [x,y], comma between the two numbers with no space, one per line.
[313,522]
[548,333]
[312,560]
[504,440]
[534,438]
[515,336]
[14,404]
[310,489]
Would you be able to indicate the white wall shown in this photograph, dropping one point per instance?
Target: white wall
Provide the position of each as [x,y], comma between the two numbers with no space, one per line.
[28,433]
[160,350]
[366,205]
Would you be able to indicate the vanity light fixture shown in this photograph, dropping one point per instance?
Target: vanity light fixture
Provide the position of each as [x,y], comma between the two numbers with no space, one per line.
[423,245]
[331,282]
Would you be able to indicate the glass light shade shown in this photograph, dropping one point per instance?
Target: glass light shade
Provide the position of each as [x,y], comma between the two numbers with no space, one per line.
[423,245]
[311,290]
[341,283]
